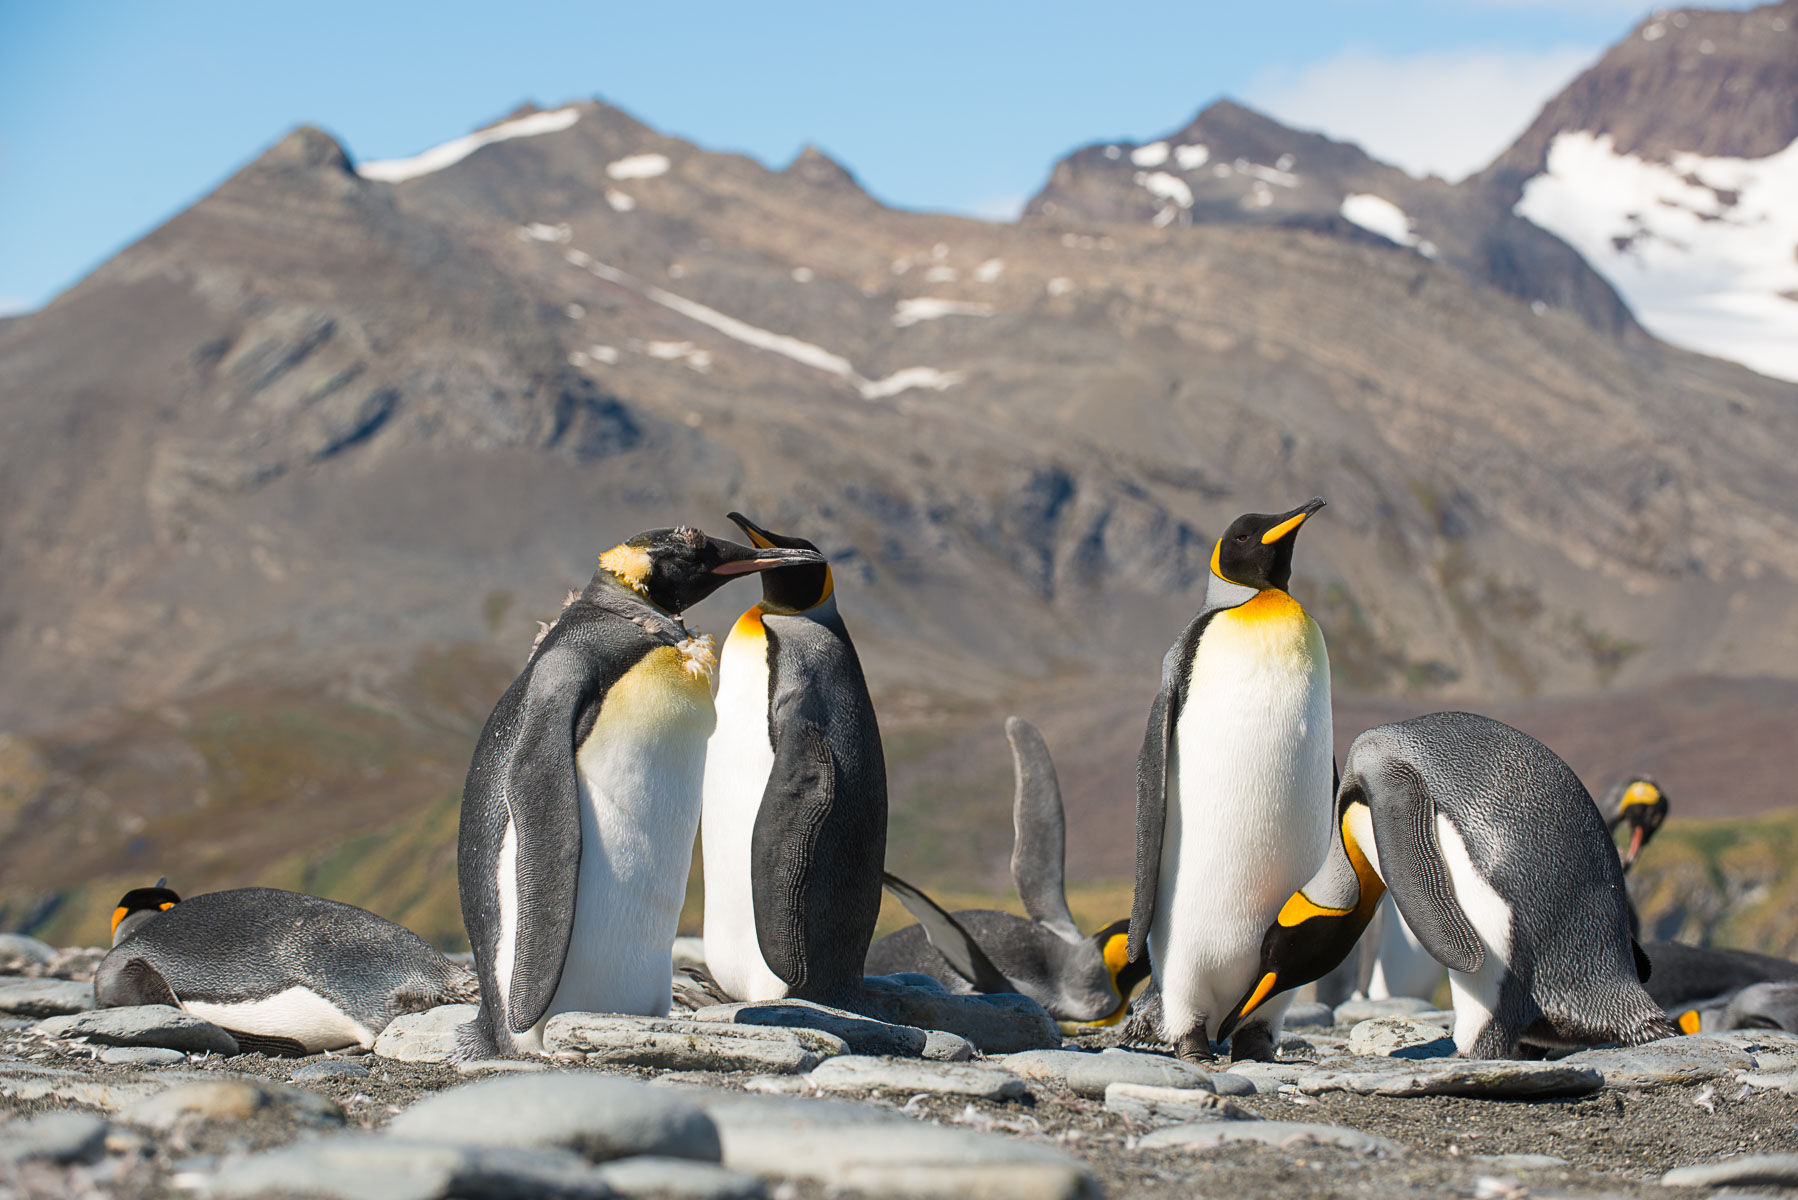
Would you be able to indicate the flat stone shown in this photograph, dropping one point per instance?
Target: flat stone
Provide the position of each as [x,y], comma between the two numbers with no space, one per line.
[861,1034]
[1776,1170]
[679,1044]
[17,949]
[1353,1012]
[58,1137]
[1787,1083]
[500,1066]
[1096,1072]
[1167,1106]
[45,997]
[368,1167]
[1209,1135]
[941,1046]
[1044,1064]
[997,1024]
[679,1177]
[1226,1083]
[71,1087]
[230,1099]
[330,1068]
[1691,1059]
[854,1072]
[428,1036]
[875,1150]
[143,1025]
[141,1056]
[1488,1078]
[1265,1076]
[1399,1037]
[596,1116]
[1309,1016]
[1521,1162]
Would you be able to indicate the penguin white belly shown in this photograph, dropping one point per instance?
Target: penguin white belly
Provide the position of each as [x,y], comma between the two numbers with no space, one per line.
[640,773]
[1476,994]
[1248,820]
[1403,967]
[739,760]
[297,1013]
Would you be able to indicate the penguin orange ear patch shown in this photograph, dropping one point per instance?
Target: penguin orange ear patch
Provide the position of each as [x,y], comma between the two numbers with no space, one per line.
[1689,1022]
[118,914]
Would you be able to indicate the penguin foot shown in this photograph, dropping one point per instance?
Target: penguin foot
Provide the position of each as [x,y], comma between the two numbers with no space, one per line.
[1194,1047]
[1252,1043]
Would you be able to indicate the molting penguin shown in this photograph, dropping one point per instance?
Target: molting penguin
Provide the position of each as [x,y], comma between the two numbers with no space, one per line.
[1233,788]
[795,812]
[1499,861]
[582,800]
[1640,803]
[1080,980]
[285,973]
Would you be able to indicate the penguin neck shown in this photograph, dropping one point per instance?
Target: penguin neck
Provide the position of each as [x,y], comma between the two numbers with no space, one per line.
[134,922]
[823,610]
[1223,593]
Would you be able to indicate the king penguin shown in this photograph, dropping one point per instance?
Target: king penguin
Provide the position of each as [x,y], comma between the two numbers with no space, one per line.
[1080,979]
[1499,861]
[794,825]
[283,972]
[1639,803]
[1233,787]
[582,800]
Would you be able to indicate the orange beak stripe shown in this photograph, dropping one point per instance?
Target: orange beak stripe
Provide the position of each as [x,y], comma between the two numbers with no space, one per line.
[1283,528]
[1262,991]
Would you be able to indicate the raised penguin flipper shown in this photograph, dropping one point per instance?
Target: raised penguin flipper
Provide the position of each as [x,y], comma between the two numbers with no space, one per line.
[1404,820]
[949,938]
[1039,832]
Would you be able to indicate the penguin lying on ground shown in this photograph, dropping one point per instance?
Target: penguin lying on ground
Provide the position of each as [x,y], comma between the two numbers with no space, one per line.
[1498,859]
[582,801]
[1233,788]
[795,799]
[1080,980]
[285,973]
[1639,802]
[1688,978]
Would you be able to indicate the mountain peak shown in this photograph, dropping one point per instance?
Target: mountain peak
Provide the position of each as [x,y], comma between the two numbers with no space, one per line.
[308,147]
[812,166]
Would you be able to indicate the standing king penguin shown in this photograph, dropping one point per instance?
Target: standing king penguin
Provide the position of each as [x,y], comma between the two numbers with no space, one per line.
[795,814]
[1234,791]
[582,801]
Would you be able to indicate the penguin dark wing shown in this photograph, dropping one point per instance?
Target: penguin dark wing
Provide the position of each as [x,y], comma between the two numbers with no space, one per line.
[784,846]
[1039,832]
[1404,822]
[1152,782]
[542,799]
[946,935]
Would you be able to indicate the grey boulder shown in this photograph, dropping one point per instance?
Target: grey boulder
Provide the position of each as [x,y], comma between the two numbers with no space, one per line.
[861,1035]
[1679,1060]
[428,1036]
[58,1137]
[368,1167]
[1769,1170]
[596,1116]
[17,949]
[1165,1106]
[665,1178]
[1399,1037]
[1477,1078]
[849,1072]
[678,1044]
[143,1025]
[44,997]
[1282,1134]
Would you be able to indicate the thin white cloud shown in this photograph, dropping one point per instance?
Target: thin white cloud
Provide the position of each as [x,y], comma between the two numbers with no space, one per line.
[1444,111]
[12,306]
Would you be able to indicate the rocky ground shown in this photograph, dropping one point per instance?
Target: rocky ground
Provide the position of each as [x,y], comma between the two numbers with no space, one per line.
[796,1101]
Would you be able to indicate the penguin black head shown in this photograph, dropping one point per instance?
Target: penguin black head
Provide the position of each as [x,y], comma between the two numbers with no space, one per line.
[1256,551]
[1113,942]
[788,589]
[139,905]
[1638,802]
[675,569]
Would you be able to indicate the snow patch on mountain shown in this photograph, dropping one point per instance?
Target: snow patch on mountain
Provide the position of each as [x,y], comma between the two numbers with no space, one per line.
[398,170]
[929,308]
[638,166]
[1376,214]
[1704,250]
[1151,155]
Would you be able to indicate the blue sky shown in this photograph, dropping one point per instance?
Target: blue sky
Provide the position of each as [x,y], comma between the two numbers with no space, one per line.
[114,116]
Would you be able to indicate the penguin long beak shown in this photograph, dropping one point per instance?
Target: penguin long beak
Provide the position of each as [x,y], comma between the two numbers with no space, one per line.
[1292,521]
[758,536]
[742,560]
[1637,836]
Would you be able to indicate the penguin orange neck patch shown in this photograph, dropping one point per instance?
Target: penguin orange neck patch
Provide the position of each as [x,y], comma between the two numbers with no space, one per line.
[629,565]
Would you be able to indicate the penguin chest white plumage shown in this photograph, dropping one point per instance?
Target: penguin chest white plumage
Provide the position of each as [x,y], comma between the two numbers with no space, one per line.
[739,760]
[1475,995]
[295,1013]
[1404,967]
[1249,803]
[640,770]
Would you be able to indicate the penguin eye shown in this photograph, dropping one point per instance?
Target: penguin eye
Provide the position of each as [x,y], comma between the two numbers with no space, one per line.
[1242,537]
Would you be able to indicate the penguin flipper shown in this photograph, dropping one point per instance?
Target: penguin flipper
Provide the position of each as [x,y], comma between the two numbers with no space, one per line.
[784,847]
[1151,813]
[1404,816]
[1644,968]
[949,939]
[543,804]
[1039,832]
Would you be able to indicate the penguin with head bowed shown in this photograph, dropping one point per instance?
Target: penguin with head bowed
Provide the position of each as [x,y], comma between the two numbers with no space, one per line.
[1639,803]
[582,800]
[1233,808]
[793,831]
[1079,979]
[1499,861]
[282,972]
